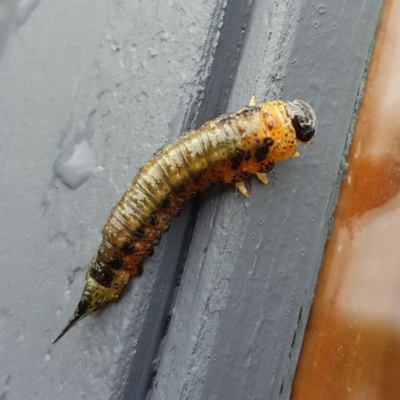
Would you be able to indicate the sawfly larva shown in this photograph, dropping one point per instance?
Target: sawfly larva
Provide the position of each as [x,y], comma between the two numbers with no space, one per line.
[227,149]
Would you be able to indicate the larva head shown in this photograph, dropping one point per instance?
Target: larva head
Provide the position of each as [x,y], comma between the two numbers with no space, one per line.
[94,294]
[303,119]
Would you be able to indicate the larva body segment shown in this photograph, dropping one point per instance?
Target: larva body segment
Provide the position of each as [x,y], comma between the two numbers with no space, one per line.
[227,149]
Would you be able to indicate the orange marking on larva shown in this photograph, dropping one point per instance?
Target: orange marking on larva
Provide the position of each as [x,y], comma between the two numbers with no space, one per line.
[132,264]
[253,167]
[226,149]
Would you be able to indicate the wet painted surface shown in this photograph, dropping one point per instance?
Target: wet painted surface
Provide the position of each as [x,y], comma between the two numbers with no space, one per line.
[352,348]
[128,77]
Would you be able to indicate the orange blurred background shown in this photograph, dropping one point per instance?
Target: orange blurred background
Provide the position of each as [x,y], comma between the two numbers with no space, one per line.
[351,348]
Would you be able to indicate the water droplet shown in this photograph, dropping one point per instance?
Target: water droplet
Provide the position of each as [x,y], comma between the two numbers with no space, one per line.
[75,165]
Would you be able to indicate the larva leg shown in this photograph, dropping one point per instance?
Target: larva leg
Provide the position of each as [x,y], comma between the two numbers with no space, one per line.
[253,101]
[262,176]
[242,188]
[297,154]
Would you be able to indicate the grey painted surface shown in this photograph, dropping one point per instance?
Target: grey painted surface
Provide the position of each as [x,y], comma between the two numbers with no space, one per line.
[88,91]
[247,286]
[109,80]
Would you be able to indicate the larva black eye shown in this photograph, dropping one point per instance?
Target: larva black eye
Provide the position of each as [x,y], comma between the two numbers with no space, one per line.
[303,119]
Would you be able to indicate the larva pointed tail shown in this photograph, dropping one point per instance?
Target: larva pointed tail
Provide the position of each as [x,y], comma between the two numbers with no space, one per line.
[72,322]
[87,305]
[95,294]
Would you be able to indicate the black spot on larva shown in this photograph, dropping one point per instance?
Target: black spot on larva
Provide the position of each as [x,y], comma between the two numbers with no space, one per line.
[127,248]
[196,178]
[83,305]
[237,158]
[266,167]
[139,233]
[180,189]
[248,155]
[102,274]
[165,203]
[150,251]
[116,264]
[152,218]
[239,176]
[262,149]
